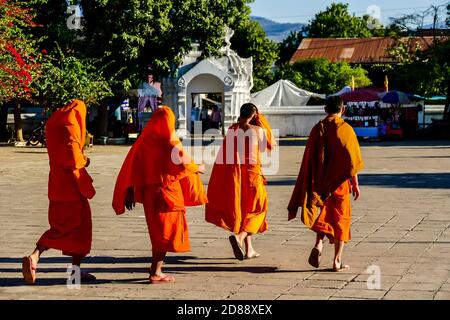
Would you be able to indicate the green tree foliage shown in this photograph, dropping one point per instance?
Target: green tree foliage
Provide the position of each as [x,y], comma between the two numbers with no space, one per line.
[250,40]
[66,78]
[422,72]
[52,15]
[289,45]
[129,37]
[323,76]
[337,22]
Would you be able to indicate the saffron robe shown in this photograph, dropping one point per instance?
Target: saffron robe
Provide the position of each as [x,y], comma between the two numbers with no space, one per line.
[69,184]
[165,180]
[332,156]
[236,192]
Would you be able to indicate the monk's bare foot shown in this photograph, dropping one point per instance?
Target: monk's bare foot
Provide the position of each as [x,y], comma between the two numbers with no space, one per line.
[252,255]
[161,278]
[29,266]
[339,266]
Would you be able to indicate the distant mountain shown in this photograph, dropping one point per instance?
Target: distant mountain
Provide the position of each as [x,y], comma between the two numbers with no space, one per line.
[440,25]
[277,31]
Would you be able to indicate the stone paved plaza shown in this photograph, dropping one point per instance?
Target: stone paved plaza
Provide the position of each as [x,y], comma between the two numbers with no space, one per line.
[400,225]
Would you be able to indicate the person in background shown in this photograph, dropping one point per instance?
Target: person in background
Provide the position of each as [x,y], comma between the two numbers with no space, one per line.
[216,118]
[204,117]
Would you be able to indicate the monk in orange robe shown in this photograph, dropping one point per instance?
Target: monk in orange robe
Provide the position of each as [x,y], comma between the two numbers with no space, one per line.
[236,193]
[160,175]
[69,188]
[328,175]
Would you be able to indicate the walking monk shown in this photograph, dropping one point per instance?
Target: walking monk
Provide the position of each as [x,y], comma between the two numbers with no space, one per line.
[236,193]
[158,174]
[69,188]
[328,175]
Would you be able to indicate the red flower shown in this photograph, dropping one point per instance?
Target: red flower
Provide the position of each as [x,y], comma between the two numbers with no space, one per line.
[44,51]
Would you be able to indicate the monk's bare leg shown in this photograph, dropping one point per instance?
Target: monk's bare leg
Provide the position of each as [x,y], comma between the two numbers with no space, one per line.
[338,250]
[157,263]
[250,252]
[76,260]
[319,241]
[37,254]
[85,277]
[316,252]
[29,264]
[156,274]
[241,237]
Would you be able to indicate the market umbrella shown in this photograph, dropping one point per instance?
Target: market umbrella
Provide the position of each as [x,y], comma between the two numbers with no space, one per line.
[360,95]
[394,97]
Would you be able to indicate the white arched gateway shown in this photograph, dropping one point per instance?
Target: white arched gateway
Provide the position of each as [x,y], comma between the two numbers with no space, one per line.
[229,76]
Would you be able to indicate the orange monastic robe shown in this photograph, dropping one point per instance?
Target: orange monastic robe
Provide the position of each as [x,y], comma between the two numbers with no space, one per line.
[165,180]
[332,156]
[236,192]
[69,184]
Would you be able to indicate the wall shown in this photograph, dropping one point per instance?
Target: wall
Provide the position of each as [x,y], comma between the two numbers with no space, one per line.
[293,121]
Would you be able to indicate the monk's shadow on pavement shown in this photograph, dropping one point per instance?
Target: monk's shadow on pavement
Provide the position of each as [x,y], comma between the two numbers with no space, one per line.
[42,151]
[281,182]
[46,282]
[439,180]
[117,260]
[62,282]
[237,268]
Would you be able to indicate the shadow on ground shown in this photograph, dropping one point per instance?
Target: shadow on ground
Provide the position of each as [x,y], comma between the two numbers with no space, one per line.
[440,180]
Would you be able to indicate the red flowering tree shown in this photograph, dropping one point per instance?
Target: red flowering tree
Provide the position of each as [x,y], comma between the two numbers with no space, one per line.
[19,65]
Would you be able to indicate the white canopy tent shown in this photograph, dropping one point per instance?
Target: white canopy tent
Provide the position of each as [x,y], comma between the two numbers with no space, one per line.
[283,93]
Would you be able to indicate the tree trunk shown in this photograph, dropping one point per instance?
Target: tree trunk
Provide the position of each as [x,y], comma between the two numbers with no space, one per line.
[18,121]
[103,119]
[4,122]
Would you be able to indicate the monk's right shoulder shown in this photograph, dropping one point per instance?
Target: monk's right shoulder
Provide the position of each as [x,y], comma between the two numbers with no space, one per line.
[347,128]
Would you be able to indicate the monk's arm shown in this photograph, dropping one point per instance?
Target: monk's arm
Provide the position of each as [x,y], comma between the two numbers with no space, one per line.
[355,187]
[262,139]
[77,159]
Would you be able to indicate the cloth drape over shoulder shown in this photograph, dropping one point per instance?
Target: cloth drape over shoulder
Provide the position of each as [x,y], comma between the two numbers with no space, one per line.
[234,204]
[332,155]
[157,157]
[66,136]
[262,122]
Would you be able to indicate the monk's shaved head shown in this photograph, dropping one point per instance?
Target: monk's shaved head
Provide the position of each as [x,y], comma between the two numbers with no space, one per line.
[333,104]
[247,110]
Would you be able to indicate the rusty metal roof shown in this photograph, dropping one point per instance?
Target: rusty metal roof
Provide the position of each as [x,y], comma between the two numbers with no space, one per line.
[354,50]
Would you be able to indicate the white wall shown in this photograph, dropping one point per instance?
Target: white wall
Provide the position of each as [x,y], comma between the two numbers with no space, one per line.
[293,121]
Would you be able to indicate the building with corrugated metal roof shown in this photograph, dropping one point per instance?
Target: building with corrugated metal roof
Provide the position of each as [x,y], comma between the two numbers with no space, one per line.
[357,50]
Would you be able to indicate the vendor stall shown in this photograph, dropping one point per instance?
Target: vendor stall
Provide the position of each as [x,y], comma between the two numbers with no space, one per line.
[363,112]
[375,114]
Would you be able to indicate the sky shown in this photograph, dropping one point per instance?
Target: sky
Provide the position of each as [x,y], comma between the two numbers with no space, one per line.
[304,10]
